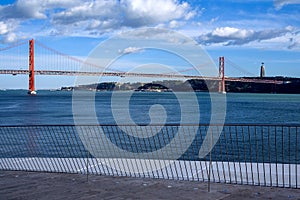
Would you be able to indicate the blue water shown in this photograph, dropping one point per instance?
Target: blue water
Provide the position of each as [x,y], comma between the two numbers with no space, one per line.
[55,107]
[260,144]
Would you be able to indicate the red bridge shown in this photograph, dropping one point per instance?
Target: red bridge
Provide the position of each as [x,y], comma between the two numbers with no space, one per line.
[73,70]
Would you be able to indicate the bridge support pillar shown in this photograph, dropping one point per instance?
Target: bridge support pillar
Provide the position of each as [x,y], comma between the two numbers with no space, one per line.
[31,90]
[222,88]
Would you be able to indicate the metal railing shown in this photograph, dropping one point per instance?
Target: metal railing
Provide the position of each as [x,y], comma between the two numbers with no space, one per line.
[267,155]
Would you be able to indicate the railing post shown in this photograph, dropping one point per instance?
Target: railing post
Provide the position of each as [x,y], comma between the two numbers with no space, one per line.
[31,68]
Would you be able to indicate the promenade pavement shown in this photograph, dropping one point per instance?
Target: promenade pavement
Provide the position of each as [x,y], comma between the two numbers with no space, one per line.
[37,185]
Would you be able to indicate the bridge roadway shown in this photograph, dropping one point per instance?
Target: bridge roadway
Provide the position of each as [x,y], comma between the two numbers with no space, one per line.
[131,74]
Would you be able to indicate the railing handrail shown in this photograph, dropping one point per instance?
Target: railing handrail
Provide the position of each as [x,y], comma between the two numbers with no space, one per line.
[170,124]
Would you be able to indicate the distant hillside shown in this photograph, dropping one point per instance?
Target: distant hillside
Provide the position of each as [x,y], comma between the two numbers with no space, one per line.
[288,86]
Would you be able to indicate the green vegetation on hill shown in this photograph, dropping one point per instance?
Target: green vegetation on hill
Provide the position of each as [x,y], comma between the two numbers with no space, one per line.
[287,85]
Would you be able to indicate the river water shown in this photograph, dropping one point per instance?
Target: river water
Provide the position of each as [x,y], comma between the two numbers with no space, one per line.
[55,107]
[264,143]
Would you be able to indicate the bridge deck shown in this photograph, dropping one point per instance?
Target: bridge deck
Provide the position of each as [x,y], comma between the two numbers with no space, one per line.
[129,74]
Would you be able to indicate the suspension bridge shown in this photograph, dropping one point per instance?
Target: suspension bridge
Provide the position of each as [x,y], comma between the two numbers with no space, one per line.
[48,61]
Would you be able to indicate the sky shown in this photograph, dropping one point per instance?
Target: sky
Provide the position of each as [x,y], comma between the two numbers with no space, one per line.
[246,33]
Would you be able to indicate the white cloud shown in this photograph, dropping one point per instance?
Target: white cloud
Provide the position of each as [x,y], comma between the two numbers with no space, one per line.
[89,10]
[151,12]
[281,3]
[11,37]
[12,15]
[33,9]
[175,24]
[94,17]
[7,30]
[236,36]
[129,50]
[3,28]
[229,32]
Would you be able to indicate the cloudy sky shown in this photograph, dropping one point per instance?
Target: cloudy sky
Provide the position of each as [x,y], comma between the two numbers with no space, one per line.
[245,32]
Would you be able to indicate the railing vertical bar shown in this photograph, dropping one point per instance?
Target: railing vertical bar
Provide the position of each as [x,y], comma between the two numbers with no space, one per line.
[158,156]
[282,151]
[68,146]
[269,155]
[117,129]
[88,161]
[14,159]
[289,153]
[61,151]
[41,131]
[211,171]
[144,147]
[150,147]
[186,131]
[256,154]
[134,144]
[193,154]
[197,146]
[245,159]
[92,158]
[45,135]
[83,162]
[215,152]
[276,155]
[81,157]
[263,155]
[239,152]
[152,161]
[222,155]
[76,142]
[4,160]
[56,162]
[117,138]
[189,160]
[227,155]
[140,146]
[156,161]
[132,160]
[101,168]
[169,155]
[87,165]
[76,153]
[233,153]
[175,148]
[22,138]
[296,156]
[251,164]
[166,156]
[112,133]
[204,158]
[36,163]
[163,156]
[4,139]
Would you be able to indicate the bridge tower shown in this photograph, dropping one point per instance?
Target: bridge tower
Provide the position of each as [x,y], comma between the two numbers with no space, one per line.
[31,90]
[221,76]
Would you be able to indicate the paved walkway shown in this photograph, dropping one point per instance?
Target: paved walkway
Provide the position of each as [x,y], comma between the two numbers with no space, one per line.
[35,185]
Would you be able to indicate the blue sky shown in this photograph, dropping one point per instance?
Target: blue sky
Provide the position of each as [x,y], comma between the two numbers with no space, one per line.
[245,32]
